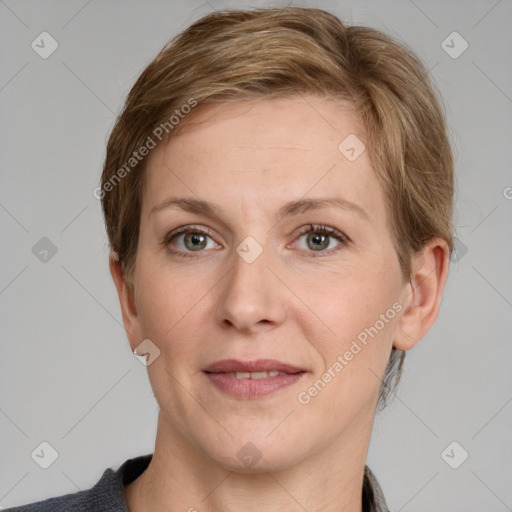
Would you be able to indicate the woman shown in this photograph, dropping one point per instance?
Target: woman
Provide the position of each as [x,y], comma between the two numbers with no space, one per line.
[277,195]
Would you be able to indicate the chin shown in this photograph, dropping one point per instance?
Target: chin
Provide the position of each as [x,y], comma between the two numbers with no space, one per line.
[260,455]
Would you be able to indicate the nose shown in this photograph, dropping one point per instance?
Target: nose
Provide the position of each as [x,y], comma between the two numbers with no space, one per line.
[253,297]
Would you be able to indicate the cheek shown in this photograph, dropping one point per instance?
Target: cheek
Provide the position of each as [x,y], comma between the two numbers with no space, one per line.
[166,300]
[351,325]
[350,361]
[347,301]
[170,307]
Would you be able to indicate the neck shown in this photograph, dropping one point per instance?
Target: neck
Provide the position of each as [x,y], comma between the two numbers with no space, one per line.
[329,480]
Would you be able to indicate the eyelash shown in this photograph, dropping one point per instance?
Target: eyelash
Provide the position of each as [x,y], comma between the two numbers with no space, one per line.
[310,228]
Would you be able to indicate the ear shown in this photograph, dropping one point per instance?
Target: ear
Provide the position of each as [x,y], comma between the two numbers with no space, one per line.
[422,295]
[127,302]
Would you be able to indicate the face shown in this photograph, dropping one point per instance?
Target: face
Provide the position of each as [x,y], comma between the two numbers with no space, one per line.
[270,271]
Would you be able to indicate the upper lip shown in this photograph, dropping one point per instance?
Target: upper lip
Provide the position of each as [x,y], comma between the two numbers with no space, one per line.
[257,365]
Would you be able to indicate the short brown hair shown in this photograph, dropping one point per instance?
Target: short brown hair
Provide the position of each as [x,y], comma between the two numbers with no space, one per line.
[241,54]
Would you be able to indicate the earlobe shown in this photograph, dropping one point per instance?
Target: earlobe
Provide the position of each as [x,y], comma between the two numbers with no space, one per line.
[422,296]
[126,301]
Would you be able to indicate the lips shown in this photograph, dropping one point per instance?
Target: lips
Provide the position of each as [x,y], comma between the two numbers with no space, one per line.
[249,380]
[259,365]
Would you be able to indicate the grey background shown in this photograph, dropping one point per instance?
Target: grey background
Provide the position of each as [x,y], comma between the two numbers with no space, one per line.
[67,374]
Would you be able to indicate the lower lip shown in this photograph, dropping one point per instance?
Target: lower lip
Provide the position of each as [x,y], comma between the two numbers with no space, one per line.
[249,389]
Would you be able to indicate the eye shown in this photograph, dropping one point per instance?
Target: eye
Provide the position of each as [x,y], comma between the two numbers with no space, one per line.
[189,239]
[320,237]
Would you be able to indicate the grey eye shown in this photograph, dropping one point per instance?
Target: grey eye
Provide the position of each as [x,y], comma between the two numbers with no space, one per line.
[318,242]
[195,241]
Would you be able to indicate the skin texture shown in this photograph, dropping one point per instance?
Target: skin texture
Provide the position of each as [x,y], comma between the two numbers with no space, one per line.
[293,303]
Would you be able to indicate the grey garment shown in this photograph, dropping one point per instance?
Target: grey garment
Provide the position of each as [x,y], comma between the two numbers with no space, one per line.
[106,496]
[108,493]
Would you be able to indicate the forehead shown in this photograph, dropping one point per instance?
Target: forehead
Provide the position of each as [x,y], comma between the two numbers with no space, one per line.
[268,150]
[300,122]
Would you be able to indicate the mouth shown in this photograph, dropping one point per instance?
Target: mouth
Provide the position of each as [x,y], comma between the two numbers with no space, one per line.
[255,366]
[252,379]
[254,375]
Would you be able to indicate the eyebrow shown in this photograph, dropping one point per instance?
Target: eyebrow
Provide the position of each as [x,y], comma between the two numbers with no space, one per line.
[292,208]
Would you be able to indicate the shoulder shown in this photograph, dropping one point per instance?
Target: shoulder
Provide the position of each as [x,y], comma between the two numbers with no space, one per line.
[106,495]
[106,490]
